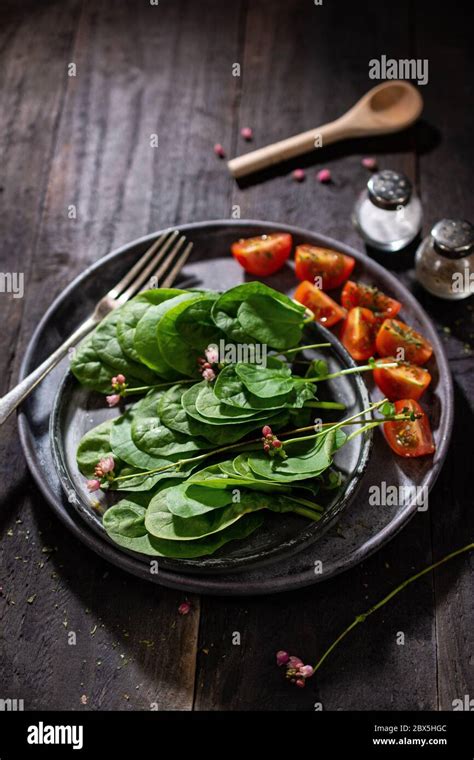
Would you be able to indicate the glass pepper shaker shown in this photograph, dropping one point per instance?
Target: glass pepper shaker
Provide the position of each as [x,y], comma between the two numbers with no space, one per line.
[388,212]
[444,260]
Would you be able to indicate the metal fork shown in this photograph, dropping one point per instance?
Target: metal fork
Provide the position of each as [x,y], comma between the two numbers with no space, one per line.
[165,254]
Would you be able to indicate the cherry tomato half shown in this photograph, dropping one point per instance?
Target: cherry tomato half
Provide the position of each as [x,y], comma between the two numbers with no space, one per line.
[358,333]
[409,438]
[403,381]
[263,255]
[359,294]
[331,266]
[326,311]
[394,335]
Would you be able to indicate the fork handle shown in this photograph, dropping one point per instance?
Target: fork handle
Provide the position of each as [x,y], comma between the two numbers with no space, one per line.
[13,398]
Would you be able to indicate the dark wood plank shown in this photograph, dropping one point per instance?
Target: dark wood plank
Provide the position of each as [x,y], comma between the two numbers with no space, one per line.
[445,178]
[139,71]
[303,66]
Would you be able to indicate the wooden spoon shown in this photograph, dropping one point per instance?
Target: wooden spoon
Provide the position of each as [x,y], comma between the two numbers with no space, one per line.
[389,107]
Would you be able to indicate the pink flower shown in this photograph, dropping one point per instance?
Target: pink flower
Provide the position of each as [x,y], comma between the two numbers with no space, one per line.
[299,175]
[266,430]
[209,374]
[212,354]
[324,175]
[282,657]
[93,485]
[294,663]
[113,399]
[107,464]
[246,133]
[369,163]
[276,443]
[120,379]
[219,150]
[184,608]
[300,682]
[306,671]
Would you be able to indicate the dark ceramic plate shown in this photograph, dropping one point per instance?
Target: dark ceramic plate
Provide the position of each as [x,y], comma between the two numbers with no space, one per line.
[283,555]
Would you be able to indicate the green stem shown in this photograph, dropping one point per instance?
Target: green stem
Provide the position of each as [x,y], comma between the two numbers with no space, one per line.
[310,513]
[349,371]
[337,425]
[324,405]
[306,503]
[130,391]
[364,615]
[303,348]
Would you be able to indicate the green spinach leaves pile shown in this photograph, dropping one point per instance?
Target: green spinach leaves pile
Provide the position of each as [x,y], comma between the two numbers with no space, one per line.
[187,454]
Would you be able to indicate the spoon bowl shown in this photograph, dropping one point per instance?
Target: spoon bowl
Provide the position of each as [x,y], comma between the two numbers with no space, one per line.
[389,107]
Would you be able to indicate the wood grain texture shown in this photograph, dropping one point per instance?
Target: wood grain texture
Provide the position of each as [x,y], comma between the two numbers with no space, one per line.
[84,141]
[446,175]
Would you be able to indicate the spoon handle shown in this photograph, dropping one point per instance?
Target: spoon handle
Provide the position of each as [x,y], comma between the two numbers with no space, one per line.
[294,146]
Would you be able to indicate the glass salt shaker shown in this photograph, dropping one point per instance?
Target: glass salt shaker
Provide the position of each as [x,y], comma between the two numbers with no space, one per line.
[444,261]
[388,212]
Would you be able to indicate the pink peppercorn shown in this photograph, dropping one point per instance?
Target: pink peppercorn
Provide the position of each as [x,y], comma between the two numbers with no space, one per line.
[246,133]
[324,175]
[299,175]
[369,163]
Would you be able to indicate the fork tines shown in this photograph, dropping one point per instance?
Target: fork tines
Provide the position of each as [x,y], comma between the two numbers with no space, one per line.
[165,255]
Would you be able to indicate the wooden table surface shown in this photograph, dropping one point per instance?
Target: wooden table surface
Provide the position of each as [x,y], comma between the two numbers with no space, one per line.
[79,178]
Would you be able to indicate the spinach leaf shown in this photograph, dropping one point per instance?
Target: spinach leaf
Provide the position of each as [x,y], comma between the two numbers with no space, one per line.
[265,382]
[190,499]
[224,311]
[124,447]
[125,525]
[149,434]
[146,336]
[230,389]
[90,369]
[133,311]
[179,354]
[195,324]
[160,522]
[105,342]
[306,459]
[94,445]
[221,434]
[216,412]
[271,322]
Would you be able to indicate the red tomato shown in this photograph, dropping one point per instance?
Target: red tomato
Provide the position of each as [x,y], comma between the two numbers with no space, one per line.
[403,381]
[263,255]
[406,437]
[358,294]
[331,266]
[394,335]
[358,333]
[326,311]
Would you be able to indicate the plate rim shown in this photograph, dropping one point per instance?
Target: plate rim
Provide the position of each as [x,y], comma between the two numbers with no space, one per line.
[190,582]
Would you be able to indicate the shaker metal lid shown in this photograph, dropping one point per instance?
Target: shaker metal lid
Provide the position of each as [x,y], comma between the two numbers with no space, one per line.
[389,189]
[453,238]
